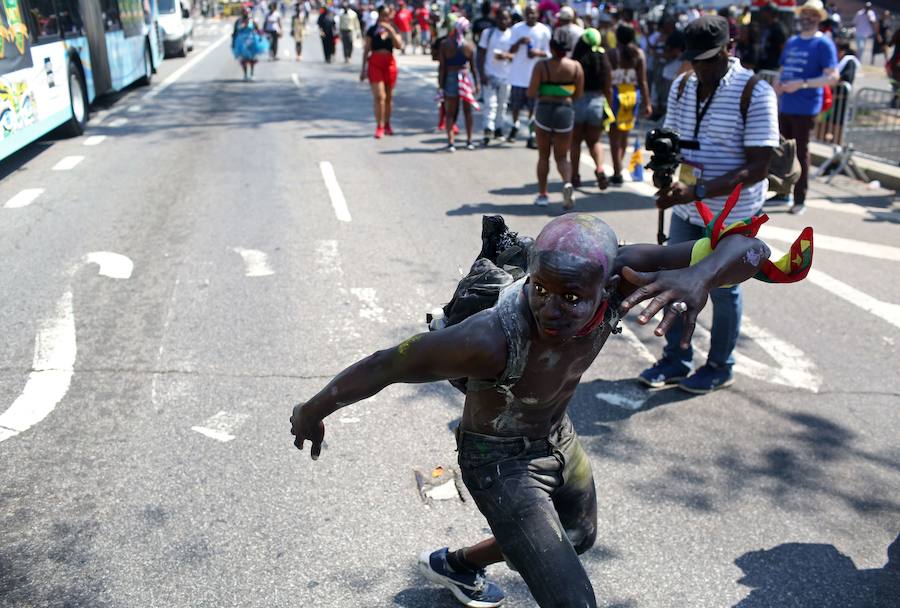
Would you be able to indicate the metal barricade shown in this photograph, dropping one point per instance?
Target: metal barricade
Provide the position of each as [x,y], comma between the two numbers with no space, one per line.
[871,129]
[830,126]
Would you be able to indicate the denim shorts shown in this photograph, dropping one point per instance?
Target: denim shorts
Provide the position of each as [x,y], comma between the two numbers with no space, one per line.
[554,116]
[590,109]
[451,84]
[539,499]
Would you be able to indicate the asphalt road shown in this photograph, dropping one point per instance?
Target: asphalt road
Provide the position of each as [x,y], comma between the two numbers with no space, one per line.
[247,293]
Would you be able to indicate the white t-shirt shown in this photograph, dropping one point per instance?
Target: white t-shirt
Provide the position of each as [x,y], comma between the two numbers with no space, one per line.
[522,64]
[863,23]
[493,40]
[723,136]
[370,18]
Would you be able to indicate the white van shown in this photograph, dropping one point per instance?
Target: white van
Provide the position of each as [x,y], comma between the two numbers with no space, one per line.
[176,26]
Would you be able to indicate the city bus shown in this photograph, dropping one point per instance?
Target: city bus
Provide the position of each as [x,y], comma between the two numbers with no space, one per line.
[57,56]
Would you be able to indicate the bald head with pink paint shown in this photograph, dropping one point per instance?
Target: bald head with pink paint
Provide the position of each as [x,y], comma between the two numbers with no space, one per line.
[586,240]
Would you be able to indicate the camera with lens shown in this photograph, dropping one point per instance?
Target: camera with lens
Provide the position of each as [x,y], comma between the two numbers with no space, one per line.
[666,146]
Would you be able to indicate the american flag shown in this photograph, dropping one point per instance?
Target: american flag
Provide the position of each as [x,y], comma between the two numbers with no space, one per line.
[467,88]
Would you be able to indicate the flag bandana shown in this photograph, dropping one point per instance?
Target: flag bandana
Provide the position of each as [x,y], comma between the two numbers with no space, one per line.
[792,267]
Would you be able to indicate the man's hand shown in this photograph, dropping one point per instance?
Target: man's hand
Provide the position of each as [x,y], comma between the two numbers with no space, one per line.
[678,194]
[305,424]
[666,287]
[646,109]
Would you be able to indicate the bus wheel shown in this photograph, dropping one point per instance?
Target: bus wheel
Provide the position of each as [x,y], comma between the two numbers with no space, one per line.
[78,104]
[148,67]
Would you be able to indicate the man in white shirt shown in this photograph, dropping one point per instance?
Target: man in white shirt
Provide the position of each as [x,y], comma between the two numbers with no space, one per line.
[865,22]
[494,63]
[705,106]
[531,42]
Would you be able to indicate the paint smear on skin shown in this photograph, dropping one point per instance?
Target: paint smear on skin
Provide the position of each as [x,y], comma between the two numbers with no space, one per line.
[404,346]
[580,235]
[369,299]
[755,256]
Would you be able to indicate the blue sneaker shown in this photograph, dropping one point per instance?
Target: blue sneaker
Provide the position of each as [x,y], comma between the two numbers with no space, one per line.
[664,372]
[707,379]
[470,589]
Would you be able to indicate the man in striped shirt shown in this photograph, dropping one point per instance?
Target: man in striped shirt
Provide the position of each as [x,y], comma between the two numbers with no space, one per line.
[734,149]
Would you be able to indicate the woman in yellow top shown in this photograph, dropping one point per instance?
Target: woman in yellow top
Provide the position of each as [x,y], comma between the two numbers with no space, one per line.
[555,82]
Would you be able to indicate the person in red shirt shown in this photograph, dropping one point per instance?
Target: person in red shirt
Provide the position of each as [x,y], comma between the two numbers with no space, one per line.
[403,23]
[423,26]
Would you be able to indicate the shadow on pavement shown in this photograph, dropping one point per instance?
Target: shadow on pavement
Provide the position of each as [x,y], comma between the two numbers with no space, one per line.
[596,203]
[801,574]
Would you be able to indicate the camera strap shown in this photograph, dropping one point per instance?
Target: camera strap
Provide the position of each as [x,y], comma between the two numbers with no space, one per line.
[701,112]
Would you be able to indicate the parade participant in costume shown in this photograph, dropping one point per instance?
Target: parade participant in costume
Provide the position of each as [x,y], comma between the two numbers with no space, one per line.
[592,112]
[380,67]
[522,359]
[456,58]
[630,92]
[555,82]
[247,43]
[731,114]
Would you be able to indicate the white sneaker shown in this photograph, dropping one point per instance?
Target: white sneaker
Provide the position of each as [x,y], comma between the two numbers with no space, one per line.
[567,196]
[542,200]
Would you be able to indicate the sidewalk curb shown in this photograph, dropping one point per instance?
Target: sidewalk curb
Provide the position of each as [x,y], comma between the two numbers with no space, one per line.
[888,175]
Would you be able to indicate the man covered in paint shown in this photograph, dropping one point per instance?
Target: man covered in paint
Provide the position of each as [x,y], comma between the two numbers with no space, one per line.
[518,453]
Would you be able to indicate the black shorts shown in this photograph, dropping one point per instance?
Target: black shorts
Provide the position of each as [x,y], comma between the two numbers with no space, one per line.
[554,117]
[519,99]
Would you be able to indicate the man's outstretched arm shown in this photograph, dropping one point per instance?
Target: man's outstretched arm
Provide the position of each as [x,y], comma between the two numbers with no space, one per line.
[734,260]
[475,348]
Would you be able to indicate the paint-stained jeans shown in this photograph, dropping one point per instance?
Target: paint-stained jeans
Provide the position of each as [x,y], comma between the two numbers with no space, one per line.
[496,95]
[538,497]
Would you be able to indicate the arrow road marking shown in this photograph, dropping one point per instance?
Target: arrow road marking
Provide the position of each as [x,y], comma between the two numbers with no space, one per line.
[55,349]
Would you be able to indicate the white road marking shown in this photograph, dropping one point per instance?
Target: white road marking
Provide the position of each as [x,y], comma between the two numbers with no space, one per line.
[112,265]
[834,243]
[94,140]
[886,310]
[55,349]
[134,108]
[118,122]
[369,299]
[622,401]
[52,369]
[334,192]
[68,163]
[221,426]
[201,43]
[256,261]
[328,259]
[792,366]
[286,54]
[23,198]
[296,79]
[635,342]
[174,76]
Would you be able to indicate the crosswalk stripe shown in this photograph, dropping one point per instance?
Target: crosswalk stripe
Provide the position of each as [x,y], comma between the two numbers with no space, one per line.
[834,243]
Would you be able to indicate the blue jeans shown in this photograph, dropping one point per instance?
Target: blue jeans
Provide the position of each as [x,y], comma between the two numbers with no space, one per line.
[727,308]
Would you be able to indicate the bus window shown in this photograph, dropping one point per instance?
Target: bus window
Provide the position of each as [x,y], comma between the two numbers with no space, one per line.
[111,20]
[70,18]
[43,18]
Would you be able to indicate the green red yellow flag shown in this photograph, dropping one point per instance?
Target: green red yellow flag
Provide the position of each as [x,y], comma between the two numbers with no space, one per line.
[792,267]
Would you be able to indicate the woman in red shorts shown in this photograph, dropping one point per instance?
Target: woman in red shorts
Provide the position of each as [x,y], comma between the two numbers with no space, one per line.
[381,69]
